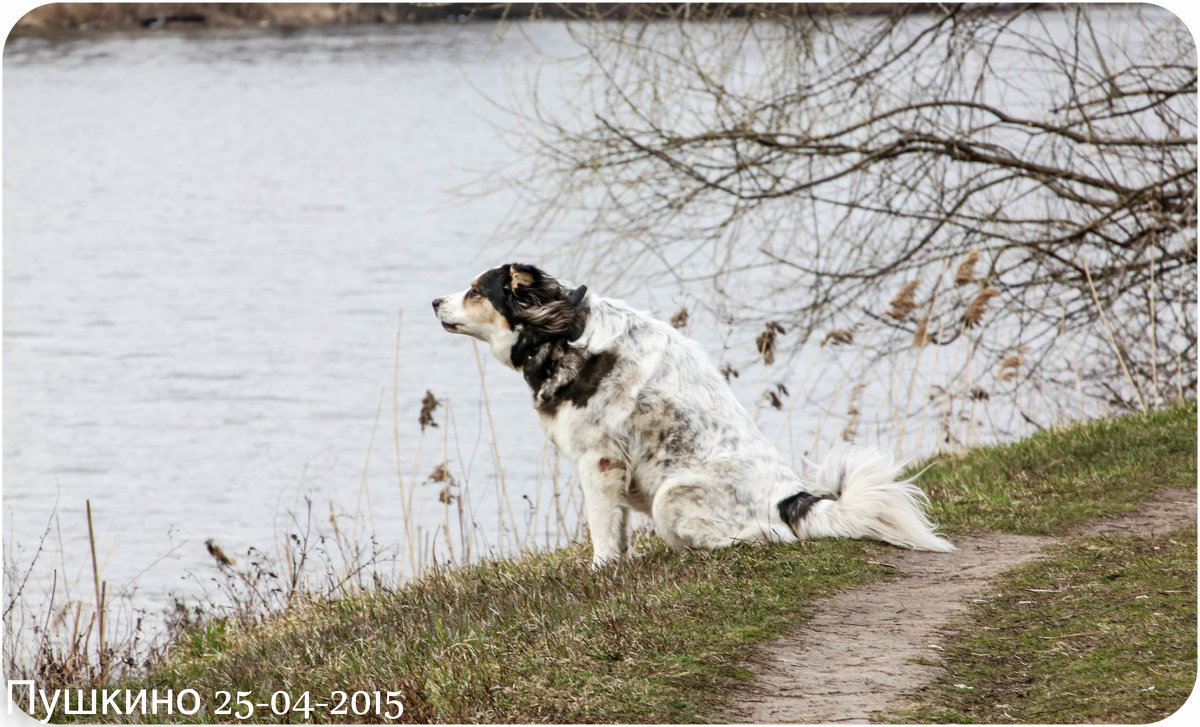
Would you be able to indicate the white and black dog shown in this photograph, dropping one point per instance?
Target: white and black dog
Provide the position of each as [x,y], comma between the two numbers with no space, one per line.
[650,424]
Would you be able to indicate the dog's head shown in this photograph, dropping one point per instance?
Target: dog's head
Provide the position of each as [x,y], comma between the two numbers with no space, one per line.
[516,309]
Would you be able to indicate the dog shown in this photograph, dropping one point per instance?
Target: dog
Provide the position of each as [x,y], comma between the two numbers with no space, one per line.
[650,425]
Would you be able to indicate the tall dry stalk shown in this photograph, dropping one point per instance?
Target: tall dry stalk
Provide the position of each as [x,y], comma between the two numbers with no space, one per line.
[363,489]
[841,382]
[920,339]
[1179,336]
[1153,326]
[1108,333]
[407,509]
[446,500]
[795,398]
[100,593]
[933,367]
[504,501]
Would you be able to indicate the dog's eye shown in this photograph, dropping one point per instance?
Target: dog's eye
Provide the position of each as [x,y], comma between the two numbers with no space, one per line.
[472,293]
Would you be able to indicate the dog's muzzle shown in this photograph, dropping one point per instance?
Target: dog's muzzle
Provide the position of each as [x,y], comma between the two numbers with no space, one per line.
[452,327]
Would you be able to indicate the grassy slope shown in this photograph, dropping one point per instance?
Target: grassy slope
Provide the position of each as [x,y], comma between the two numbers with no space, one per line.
[1058,478]
[544,639]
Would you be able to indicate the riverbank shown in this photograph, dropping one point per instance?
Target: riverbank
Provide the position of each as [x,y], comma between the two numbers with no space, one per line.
[77,18]
[58,18]
[666,637]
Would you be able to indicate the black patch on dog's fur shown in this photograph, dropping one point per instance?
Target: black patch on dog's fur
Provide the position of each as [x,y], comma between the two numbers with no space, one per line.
[793,509]
[580,389]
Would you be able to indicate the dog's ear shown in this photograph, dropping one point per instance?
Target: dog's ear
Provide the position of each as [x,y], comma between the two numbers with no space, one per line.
[576,296]
[521,276]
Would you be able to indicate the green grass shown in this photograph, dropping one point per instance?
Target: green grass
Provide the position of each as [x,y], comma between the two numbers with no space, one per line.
[1059,478]
[1103,632]
[661,638]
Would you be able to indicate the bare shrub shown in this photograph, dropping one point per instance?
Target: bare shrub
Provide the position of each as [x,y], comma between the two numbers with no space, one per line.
[798,164]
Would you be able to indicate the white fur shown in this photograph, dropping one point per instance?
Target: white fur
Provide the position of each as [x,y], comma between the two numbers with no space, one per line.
[871,502]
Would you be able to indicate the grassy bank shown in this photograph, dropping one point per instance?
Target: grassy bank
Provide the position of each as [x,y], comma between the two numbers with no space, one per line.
[660,638]
[1056,479]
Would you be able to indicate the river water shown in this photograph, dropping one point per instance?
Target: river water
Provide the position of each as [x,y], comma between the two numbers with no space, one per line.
[211,243]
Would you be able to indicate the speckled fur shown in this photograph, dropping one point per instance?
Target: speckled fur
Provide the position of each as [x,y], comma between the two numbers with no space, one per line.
[650,425]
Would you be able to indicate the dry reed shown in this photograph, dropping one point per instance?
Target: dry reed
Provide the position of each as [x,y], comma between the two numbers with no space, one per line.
[1010,366]
[921,338]
[100,593]
[766,341]
[1109,335]
[978,306]
[965,272]
[680,319]
[903,304]
[921,335]
[839,336]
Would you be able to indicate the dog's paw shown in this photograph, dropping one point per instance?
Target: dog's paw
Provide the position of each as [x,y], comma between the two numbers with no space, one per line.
[615,560]
[599,563]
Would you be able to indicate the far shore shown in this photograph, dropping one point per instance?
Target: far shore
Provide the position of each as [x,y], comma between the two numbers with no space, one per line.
[90,18]
[87,18]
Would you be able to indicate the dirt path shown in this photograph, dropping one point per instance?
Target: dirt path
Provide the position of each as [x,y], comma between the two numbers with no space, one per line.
[856,656]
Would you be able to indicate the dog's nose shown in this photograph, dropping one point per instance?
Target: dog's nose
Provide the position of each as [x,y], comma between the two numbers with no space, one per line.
[436,303]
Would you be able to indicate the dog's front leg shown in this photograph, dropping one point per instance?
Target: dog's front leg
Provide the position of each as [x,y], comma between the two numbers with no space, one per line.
[604,483]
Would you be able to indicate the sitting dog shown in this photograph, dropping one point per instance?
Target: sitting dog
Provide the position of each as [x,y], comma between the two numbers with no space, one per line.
[649,424]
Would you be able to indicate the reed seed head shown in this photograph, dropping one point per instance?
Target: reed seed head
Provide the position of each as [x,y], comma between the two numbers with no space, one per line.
[441,473]
[966,269]
[839,336]
[1010,366]
[428,404]
[680,319]
[218,554]
[766,341]
[978,306]
[903,303]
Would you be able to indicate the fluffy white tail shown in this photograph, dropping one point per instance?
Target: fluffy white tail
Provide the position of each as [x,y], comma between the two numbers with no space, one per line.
[862,498]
